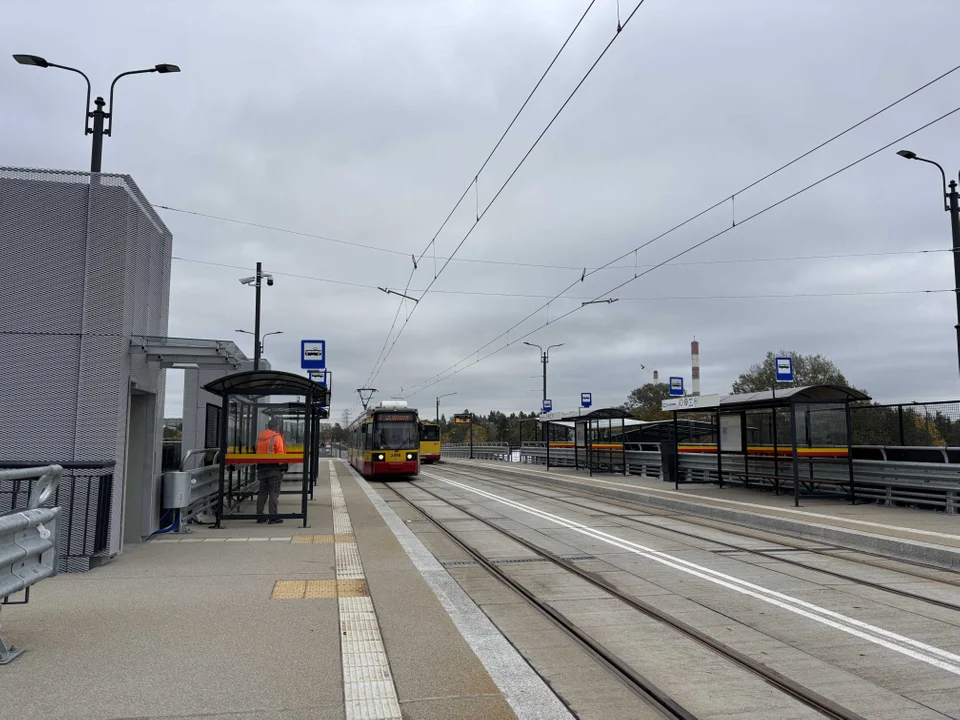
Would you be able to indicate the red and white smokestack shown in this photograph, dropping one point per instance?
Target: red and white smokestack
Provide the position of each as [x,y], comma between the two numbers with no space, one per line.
[695,363]
[656,376]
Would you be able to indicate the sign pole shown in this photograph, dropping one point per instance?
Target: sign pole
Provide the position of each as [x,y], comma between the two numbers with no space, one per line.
[471,436]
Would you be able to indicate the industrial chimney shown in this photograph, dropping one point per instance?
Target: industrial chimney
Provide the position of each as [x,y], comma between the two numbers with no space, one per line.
[656,376]
[695,363]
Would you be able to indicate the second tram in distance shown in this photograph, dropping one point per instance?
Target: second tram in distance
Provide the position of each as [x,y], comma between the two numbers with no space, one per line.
[429,442]
[385,440]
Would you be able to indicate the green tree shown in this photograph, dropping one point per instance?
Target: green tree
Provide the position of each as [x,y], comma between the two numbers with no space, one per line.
[807,370]
[644,402]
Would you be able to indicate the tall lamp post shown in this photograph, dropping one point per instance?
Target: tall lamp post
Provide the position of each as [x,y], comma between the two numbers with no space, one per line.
[265,336]
[545,358]
[257,281]
[98,115]
[951,203]
[438,404]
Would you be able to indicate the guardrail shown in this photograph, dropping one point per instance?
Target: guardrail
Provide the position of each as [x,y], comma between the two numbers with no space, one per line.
[194,492]
[888,482]
[85,496]
[28,537]
[486,451]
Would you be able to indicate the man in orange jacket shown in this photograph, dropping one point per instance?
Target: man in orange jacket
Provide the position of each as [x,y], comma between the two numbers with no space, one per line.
[270,442]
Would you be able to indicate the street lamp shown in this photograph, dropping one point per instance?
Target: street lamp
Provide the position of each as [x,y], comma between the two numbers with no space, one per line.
[545,358]
[951,203]
[438,404]
[265,336]
[257,281]
[98,115]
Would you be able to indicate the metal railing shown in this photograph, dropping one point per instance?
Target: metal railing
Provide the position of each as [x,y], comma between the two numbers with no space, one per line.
[194,492]
[485,451]
[29,535]
[888,482]
[84,494]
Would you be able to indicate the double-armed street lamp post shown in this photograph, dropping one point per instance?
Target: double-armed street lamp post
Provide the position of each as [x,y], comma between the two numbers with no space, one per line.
[99,115]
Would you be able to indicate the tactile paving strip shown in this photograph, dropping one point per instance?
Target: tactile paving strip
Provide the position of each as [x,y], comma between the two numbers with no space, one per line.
[368,687]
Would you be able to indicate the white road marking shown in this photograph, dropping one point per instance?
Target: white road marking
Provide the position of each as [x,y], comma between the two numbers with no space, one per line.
[885,638]
[754,506]
[368,689]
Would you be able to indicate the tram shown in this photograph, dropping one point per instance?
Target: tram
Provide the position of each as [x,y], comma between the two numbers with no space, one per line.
[429,442]
[385,440]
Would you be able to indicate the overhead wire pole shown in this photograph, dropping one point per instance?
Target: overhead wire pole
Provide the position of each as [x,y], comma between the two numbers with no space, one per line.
[441,377]
[480,215]
[710,208]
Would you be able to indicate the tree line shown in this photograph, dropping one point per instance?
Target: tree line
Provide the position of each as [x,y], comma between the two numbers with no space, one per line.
[872,423]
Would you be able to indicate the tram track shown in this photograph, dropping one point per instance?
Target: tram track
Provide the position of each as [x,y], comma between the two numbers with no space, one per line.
[693,520]
[639,684]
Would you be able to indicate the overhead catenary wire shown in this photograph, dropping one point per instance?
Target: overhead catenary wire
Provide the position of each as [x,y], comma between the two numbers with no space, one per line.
[715,206]
[454,370]
[503,186]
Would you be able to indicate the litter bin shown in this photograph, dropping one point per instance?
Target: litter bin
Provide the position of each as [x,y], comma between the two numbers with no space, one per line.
[668,461]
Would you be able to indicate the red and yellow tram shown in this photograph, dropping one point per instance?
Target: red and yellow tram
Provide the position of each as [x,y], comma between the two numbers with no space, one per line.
[385,440]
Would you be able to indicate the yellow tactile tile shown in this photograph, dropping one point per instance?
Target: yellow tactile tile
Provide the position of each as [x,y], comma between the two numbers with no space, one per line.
[352,588]
[288,590]
[320,589]
[311,539]
[345,538]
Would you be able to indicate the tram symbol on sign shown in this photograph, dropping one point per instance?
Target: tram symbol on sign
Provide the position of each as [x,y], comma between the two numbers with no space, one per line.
[784,369]
[313,354]
[676,386]
[547,405]
[586,399]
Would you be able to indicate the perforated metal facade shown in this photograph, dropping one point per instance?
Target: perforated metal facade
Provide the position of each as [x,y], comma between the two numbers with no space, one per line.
[86,267]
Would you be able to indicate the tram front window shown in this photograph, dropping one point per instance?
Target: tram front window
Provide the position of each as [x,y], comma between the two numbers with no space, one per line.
[397,435]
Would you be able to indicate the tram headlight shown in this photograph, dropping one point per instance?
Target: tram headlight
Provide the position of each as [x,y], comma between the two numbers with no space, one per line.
[409,456]
[380,456]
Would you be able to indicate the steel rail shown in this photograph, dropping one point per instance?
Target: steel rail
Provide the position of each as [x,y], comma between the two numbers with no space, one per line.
[800,692]
[739,548]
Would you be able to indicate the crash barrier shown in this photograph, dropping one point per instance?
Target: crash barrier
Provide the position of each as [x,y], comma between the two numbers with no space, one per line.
[888,482]
[192,492]
[85,496]
[640,458]
[486,451]
[28,536]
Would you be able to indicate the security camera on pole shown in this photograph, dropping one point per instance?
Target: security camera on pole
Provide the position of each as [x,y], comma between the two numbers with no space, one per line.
[257,281]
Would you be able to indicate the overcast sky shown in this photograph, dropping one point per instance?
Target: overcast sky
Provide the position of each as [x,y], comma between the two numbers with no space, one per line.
[364,121]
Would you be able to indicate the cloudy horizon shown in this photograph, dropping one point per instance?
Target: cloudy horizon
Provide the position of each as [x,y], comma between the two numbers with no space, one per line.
[365,122]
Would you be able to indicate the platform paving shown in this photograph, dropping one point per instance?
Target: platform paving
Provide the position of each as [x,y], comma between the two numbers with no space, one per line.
[190,626]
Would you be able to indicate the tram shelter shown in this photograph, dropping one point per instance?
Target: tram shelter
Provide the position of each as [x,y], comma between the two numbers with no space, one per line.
[594,448]
[249,400]
[746,432]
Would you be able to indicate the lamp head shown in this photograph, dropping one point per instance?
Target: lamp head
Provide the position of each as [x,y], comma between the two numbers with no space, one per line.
[908,154]
[34,60]
[166,68]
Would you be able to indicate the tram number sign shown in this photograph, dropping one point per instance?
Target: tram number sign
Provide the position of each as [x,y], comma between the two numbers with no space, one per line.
[784,369]
[676,386]
[461,419]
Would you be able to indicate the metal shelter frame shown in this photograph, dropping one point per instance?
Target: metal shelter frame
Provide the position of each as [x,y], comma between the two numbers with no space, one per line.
[791,398]
[583,437]
[248,388]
